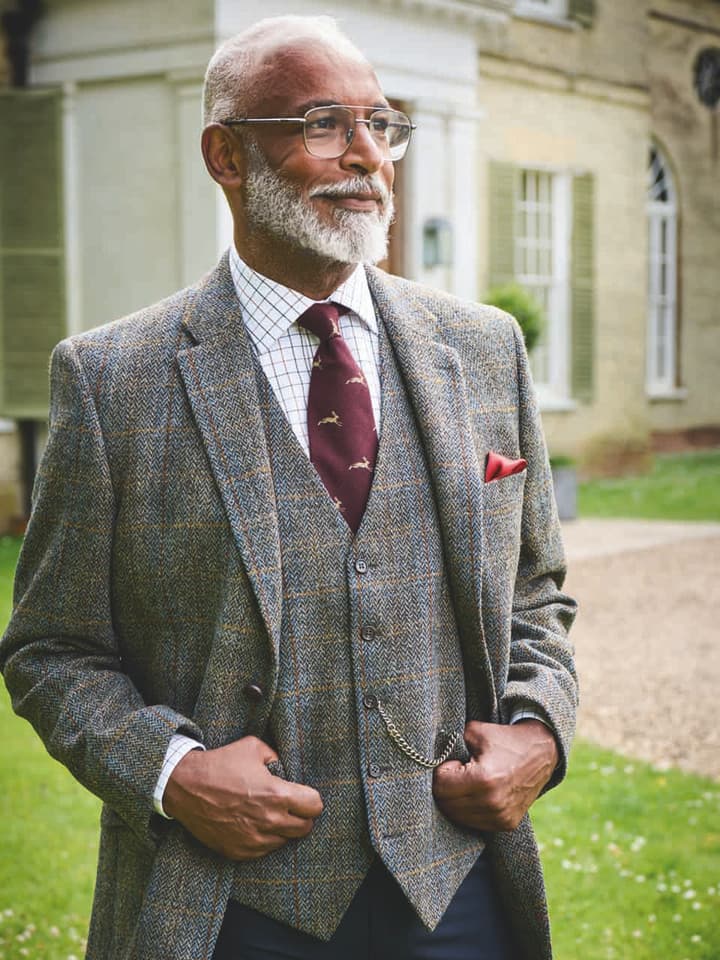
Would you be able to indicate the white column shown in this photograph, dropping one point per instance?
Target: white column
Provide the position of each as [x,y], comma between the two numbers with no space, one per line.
[464,203]
[197,215]
[443,185]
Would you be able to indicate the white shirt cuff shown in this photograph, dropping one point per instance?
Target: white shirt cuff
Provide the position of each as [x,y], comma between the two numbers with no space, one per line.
[178,747]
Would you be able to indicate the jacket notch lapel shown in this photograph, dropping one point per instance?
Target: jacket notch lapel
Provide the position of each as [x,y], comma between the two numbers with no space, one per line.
[220,382]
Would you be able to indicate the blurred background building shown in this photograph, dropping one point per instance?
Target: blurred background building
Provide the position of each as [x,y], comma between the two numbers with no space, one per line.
[569,145]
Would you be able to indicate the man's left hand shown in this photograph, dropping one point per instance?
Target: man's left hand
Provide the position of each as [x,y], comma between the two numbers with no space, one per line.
[508,768]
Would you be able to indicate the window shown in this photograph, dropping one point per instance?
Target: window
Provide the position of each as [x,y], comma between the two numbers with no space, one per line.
[543,8]
[662,346]
[542,237]
[541,234]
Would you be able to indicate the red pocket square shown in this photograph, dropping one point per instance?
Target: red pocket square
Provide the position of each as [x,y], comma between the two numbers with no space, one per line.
[498,466]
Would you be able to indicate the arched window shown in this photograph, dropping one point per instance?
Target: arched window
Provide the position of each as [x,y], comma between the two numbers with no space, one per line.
[662,350]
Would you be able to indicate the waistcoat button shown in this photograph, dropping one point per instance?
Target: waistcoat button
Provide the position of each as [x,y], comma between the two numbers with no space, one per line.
[368,633]
[253,692]
[370,701]
[361,566]
[374,770]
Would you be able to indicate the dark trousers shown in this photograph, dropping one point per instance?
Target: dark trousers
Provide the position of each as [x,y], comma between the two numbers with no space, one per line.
[379,925]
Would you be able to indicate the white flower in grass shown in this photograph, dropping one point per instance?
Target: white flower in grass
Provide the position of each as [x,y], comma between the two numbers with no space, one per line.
[629,768]
[54,932]
[637,934]
[637,844]
[594,838]
[558,842]
[652,918]
[687,883]
[675,888]
[689,894]
[695,938]
[711,891]
[661,887]
[697,905]
[639,878]
[677,918]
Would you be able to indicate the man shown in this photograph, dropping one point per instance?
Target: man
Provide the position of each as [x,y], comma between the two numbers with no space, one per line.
[289,601]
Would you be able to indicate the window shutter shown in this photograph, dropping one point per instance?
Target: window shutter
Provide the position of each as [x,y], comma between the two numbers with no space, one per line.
[502,179]
[32,256]
[582,295]
[583,11]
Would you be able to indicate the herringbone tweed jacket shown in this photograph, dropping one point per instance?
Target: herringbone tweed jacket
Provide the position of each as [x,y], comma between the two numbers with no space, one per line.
[148,593]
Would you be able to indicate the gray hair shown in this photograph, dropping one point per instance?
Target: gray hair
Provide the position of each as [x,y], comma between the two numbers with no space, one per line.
[231,73]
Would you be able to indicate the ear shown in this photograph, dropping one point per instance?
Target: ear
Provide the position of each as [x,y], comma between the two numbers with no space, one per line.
[224,155]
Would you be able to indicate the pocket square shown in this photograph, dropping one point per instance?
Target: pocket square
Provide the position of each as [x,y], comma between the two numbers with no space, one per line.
[497,466]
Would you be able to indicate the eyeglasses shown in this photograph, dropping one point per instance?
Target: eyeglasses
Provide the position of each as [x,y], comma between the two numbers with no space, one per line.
[329,131]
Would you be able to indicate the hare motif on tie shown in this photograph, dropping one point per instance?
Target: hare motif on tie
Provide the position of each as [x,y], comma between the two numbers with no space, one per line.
[341,425]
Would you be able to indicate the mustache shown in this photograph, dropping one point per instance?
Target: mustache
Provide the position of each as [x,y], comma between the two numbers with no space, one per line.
[370,186]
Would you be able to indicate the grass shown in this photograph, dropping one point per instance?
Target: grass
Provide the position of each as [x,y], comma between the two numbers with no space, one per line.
[631,853]
[632,861]
[49,841]
[679,487]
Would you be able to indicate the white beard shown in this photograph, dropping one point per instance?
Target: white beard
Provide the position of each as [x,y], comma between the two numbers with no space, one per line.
[274,206]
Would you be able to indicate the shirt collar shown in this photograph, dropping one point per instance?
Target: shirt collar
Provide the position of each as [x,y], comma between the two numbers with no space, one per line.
[269,308]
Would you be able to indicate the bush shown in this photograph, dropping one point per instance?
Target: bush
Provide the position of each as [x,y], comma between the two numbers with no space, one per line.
[523,306]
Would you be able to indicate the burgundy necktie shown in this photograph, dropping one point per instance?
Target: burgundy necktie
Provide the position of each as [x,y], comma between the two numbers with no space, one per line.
[341,425]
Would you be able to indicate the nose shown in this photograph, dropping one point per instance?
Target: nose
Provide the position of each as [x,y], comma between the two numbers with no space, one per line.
[364,154]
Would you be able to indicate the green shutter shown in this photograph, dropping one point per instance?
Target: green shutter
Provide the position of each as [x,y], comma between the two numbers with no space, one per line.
[32,255]
[582,295]
[583,11]
[501,258]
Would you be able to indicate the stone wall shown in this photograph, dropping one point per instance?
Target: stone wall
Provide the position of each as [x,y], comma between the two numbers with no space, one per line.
[562,97]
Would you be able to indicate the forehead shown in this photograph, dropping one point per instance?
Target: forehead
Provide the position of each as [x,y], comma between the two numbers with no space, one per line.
[303,74]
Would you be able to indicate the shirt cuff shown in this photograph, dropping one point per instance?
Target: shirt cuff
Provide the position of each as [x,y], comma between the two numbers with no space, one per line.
[178,747]
[527,710]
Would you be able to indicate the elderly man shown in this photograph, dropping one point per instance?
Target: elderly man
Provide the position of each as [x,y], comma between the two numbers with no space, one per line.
[289,601]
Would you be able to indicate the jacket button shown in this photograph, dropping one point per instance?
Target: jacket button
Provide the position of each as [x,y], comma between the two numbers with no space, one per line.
[253,692]
[361,566]
[370,701]
[374,770]
[368,634]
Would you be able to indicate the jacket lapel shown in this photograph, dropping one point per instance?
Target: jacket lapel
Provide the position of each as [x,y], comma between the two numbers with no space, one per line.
[219,377]
[436,387]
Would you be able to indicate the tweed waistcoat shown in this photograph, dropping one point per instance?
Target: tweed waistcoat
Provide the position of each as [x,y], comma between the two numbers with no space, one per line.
[365,616]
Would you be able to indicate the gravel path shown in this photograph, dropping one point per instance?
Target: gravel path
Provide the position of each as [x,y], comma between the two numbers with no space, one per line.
[648,638]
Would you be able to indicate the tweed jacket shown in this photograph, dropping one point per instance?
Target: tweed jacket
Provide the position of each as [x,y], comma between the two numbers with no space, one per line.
[148,593]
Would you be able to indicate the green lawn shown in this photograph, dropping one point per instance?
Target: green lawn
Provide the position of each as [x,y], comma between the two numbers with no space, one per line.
[632,854]
[680,487]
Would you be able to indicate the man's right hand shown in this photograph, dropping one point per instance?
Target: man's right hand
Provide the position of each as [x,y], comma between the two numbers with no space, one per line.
[228,799]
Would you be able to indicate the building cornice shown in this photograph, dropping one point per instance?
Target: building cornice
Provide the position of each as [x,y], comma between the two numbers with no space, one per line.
[524,73]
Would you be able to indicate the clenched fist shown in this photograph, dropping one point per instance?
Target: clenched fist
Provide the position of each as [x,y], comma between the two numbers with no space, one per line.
[508,768]
[228,799]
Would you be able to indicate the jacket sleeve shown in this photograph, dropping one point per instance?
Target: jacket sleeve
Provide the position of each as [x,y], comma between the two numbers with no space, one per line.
[541,672]
[60,654]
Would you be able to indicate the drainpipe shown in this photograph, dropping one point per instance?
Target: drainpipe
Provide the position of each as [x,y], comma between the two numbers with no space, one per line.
[16,26]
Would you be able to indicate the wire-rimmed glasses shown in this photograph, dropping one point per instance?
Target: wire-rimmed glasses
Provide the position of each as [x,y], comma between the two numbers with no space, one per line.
[329,131]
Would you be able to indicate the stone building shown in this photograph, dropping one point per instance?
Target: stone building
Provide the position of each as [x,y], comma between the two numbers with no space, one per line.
[539,122]
[599,169]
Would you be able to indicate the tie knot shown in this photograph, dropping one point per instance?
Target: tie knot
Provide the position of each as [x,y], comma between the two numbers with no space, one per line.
[322,319]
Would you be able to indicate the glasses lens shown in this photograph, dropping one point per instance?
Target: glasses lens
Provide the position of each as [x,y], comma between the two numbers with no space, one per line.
[328,131]
[392,130]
